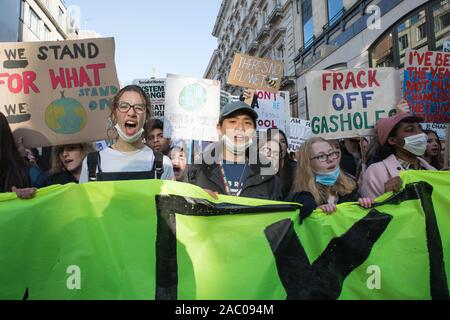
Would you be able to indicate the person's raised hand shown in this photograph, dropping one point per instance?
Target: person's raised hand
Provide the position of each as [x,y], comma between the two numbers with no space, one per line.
[402,106]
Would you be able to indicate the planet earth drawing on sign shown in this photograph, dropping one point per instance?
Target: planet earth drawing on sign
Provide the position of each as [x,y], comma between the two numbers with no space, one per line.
[193,97]
[65,116]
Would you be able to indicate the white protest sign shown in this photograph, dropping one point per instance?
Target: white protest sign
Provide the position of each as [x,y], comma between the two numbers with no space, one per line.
[192,108]
[348,103]
[439,128]
[155,89]
[273,110]
[300,131]
[446,46]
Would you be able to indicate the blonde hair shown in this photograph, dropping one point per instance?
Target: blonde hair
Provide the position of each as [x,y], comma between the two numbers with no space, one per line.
[57,165]
[305,179]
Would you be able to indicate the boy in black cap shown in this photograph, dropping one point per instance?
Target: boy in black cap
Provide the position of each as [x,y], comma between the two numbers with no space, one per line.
[233,165]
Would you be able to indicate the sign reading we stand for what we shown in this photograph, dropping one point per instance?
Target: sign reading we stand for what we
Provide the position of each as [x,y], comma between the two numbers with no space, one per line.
[58,92]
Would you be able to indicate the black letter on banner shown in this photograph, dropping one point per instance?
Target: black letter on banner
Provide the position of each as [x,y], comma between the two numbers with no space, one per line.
[166,254]
[25,295]
[167,207]
[438,277]
[325,277]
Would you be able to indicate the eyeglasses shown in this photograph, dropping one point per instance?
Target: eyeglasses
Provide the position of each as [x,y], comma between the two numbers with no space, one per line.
[324,157]
[124,107]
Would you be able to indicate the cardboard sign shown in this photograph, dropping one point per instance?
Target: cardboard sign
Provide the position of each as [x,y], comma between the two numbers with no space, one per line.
[273,110]
[300,131]
[348,103]
[256,73]
[192,108]
[59,92]
[427,85]
[155,89]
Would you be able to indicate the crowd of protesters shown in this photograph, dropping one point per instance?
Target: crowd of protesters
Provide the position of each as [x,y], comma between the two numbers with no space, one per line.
[242,163]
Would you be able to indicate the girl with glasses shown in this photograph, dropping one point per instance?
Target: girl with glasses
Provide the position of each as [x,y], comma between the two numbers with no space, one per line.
[319,181]
[128,158]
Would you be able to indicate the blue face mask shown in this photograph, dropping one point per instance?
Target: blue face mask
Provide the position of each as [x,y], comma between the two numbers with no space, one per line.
[328,179]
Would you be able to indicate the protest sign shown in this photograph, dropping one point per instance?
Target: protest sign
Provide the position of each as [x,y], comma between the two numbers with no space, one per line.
[192,108]
[60,92]
[446,46]
[154,239]
[256,73]
[439,128]
[299,132]
[273,110]
[155,89]
[426,85]
[348,103]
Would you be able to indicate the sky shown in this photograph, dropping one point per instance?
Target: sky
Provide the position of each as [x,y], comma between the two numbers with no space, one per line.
[173,36]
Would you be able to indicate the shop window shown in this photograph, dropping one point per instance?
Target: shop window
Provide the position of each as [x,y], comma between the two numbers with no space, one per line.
[412,34]
[382,54]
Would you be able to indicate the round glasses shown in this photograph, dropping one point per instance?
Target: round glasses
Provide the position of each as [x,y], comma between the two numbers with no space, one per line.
[324,157]
[124,107]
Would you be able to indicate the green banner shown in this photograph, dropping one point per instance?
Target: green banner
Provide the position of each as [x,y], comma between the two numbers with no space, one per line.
[169,240]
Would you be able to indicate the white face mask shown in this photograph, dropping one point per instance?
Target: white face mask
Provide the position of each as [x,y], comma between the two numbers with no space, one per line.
[236,149]
[416,144]
[129,139]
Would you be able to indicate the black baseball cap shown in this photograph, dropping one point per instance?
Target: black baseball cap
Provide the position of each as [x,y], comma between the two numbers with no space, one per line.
[232,107]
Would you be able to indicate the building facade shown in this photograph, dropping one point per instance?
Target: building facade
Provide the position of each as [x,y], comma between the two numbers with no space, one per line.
[258,28]
[339,34]
[45,20]
[325,34]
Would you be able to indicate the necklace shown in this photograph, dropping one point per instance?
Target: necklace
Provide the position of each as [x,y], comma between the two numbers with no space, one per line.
[225,180]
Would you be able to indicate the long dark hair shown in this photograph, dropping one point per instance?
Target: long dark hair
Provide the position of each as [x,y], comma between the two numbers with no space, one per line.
[13,168]
[436,161]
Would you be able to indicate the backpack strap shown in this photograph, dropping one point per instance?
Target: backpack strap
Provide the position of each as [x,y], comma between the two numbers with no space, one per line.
[158,165]
[93,162]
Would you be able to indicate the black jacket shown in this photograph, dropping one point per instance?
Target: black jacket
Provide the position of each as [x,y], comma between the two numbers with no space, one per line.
[63,177]
[208,176]
[309,204]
